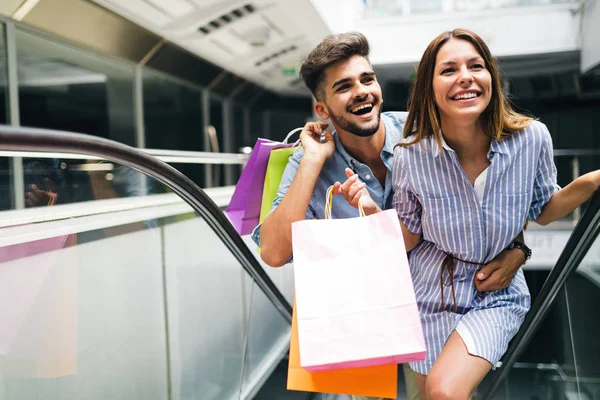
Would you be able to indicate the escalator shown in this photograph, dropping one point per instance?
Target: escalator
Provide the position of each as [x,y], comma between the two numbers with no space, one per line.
[137,287]
[120,285]
[556,353]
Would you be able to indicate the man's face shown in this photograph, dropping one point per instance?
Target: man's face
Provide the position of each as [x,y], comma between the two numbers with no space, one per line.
[353,96]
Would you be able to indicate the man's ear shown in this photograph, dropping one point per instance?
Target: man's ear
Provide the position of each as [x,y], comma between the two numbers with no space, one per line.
[321,110]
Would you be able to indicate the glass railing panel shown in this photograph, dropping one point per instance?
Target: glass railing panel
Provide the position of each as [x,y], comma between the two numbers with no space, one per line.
[582,323]
[82,313]
[562,359]
[205,311]
[267,342]
[546,361]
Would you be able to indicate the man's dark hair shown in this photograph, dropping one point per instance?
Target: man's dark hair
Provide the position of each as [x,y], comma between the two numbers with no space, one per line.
[332,49]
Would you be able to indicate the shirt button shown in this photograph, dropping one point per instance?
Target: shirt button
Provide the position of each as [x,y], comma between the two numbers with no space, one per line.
[368,177]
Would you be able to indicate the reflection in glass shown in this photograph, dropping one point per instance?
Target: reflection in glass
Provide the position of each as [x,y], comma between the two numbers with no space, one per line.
[51,181]
[67,88]
[173,118]
[172,113]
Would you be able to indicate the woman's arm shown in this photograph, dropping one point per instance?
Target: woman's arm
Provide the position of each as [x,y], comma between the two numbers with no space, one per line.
[565,200]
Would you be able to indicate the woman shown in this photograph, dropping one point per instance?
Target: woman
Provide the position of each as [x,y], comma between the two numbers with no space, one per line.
[468,175]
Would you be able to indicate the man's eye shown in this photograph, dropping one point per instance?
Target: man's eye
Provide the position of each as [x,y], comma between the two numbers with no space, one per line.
[343,87]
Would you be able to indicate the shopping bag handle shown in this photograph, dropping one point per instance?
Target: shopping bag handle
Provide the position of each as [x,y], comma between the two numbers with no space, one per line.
[289,135]
[329,204]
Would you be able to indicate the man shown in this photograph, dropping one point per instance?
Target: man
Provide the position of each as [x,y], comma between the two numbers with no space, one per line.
[341,78]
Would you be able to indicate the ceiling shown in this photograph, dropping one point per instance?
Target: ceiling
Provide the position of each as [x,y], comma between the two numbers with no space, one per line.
[259,40]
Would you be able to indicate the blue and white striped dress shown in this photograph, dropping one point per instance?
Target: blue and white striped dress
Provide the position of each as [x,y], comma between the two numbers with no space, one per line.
[434,197]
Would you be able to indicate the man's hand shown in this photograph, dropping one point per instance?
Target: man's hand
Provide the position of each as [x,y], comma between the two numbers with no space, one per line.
[354,191]
[499,273]
[310,139]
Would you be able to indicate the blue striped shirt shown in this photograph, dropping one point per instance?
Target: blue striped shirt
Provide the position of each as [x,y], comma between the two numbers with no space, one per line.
[434,197]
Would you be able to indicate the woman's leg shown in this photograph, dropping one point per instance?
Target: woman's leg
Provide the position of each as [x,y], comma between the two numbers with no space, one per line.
[420,381]
[456,373]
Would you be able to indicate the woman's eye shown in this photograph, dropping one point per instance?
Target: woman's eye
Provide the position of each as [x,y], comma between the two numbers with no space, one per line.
[447,71]
[476,66]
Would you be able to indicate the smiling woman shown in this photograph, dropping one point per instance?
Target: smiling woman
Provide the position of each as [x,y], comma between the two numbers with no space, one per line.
[491,169]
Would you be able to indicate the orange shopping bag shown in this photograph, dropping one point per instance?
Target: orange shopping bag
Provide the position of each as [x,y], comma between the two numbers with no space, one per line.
[380,381]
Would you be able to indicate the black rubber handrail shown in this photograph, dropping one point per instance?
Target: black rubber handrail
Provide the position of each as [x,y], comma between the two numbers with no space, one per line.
[34,139]
[580,241]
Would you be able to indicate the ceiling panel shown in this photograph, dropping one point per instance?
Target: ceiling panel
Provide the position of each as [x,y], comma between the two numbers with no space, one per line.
[8,7]
[175,8]
[207,3]
[234,34]
[143,10]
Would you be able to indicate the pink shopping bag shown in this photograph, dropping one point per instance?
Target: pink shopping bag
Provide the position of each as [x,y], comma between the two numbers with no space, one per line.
[244,208]
[355,299]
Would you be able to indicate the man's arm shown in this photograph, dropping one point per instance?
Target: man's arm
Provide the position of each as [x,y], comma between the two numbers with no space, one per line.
[565,200]
[276,230]
[499,273]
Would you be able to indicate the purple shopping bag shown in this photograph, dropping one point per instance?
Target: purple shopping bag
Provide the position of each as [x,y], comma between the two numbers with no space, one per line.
[244,208]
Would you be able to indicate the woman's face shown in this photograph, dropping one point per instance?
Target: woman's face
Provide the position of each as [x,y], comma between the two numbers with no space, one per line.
[462,85]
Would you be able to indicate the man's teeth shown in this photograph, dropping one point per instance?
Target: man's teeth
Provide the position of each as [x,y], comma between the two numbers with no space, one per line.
[358,108]
[465,96]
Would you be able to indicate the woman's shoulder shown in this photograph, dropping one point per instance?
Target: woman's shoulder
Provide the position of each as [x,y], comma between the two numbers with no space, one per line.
[407,145]
[536,134]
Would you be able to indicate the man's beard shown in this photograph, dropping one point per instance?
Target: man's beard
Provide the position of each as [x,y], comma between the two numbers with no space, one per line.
[355,129]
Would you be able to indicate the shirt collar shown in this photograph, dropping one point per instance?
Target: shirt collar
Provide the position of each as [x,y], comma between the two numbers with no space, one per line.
[435,148]
[495,147]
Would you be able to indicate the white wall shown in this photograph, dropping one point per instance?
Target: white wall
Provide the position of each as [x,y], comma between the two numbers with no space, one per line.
[508,32]
[590,33]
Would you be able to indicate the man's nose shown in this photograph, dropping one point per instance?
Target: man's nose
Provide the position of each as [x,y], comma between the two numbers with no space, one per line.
[361,91]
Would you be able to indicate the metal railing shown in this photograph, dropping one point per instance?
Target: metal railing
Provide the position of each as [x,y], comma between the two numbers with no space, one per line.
[14,139]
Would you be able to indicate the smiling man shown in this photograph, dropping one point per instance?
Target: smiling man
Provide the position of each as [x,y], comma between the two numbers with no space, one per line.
[341,78]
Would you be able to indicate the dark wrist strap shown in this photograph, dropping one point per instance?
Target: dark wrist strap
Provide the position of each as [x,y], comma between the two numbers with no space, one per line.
[523,247]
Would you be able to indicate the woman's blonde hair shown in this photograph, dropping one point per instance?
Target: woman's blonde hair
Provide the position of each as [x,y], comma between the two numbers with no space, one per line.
[498,120]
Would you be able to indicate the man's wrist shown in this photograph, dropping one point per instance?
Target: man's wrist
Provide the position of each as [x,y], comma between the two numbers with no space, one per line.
[521,248]
[370,210]
[313,160]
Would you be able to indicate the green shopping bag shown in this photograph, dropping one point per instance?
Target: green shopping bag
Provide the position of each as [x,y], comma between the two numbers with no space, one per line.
[278,159]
